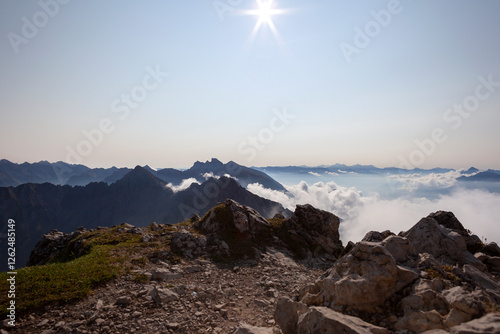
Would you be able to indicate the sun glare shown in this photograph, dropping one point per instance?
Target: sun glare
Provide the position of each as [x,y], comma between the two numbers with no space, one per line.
[265,11]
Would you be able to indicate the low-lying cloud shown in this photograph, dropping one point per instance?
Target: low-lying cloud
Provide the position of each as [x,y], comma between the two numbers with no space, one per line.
[414,182]
[329,196]
[211,175]
[477,209]
[183,185]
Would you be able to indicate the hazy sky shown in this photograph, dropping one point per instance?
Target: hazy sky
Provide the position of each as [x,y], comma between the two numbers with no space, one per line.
[368,82]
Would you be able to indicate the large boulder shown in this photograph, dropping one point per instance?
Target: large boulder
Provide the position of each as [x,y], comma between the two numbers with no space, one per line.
[490,323]
[310,232]
[448,220]
[239,227]
[247,329]
[56,244]
[287,314]
[446,245]
[362,281]
[231,217]
[324,320]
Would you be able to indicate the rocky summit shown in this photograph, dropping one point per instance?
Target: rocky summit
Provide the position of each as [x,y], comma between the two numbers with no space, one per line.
[233,271]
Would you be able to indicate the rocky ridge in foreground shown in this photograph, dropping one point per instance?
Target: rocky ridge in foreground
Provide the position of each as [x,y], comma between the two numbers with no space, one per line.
[233,271]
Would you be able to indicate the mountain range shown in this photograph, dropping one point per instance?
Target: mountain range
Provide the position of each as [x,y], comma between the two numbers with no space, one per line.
[486,176]
[61,173]
[138,198]
[345,169]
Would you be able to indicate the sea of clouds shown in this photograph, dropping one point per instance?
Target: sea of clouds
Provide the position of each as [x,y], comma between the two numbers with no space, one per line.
[419,195]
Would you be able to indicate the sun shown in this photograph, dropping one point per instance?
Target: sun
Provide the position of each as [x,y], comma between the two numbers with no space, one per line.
[265,11]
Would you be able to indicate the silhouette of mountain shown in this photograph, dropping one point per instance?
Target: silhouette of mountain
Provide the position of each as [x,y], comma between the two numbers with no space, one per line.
[97,175]
[244,175]
[139,198]
[78,175]
[471,170]
[489,176]
[12,174]
[343,169]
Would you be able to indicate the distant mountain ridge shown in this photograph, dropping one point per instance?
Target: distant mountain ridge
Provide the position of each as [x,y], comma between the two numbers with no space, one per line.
[139,198]
[487,176]
[345,169]
[61,173]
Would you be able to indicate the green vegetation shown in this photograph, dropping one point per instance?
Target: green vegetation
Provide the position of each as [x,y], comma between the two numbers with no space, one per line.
[68,277]
[140,278]
[59,282]
[187,223]
[444,272]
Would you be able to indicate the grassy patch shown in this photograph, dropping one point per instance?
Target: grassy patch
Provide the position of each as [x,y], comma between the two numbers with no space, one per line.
[187,223]
[110,236]
[59,282]
[140,278]
[444,272]
[67,277]
[139,261]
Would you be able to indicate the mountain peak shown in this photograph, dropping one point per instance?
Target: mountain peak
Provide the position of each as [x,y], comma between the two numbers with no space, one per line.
[140,176]
[208,165]
[216,161]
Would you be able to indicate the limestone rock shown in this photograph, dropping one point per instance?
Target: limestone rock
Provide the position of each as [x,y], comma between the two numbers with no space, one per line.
[400,248]
[428,236]
[483,280]
[374,236]
[287,314]
[311,233]
[240,227]
[54,244]
[490,323]
[325,320]
[363,280]
[188,245]
[247,329]
[162,274]
[420,321]
[167,295]
[234,216]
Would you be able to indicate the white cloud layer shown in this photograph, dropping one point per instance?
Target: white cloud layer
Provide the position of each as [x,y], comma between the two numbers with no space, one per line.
[478,210]
[433,180]
[210,175]
[183,186]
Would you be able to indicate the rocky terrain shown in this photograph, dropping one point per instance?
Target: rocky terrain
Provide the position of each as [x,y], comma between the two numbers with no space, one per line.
[233,271]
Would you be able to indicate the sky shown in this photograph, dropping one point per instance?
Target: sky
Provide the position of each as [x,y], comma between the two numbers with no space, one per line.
[166,83]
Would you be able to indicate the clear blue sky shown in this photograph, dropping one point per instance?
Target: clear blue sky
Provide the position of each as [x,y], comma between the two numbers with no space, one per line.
[72,72]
